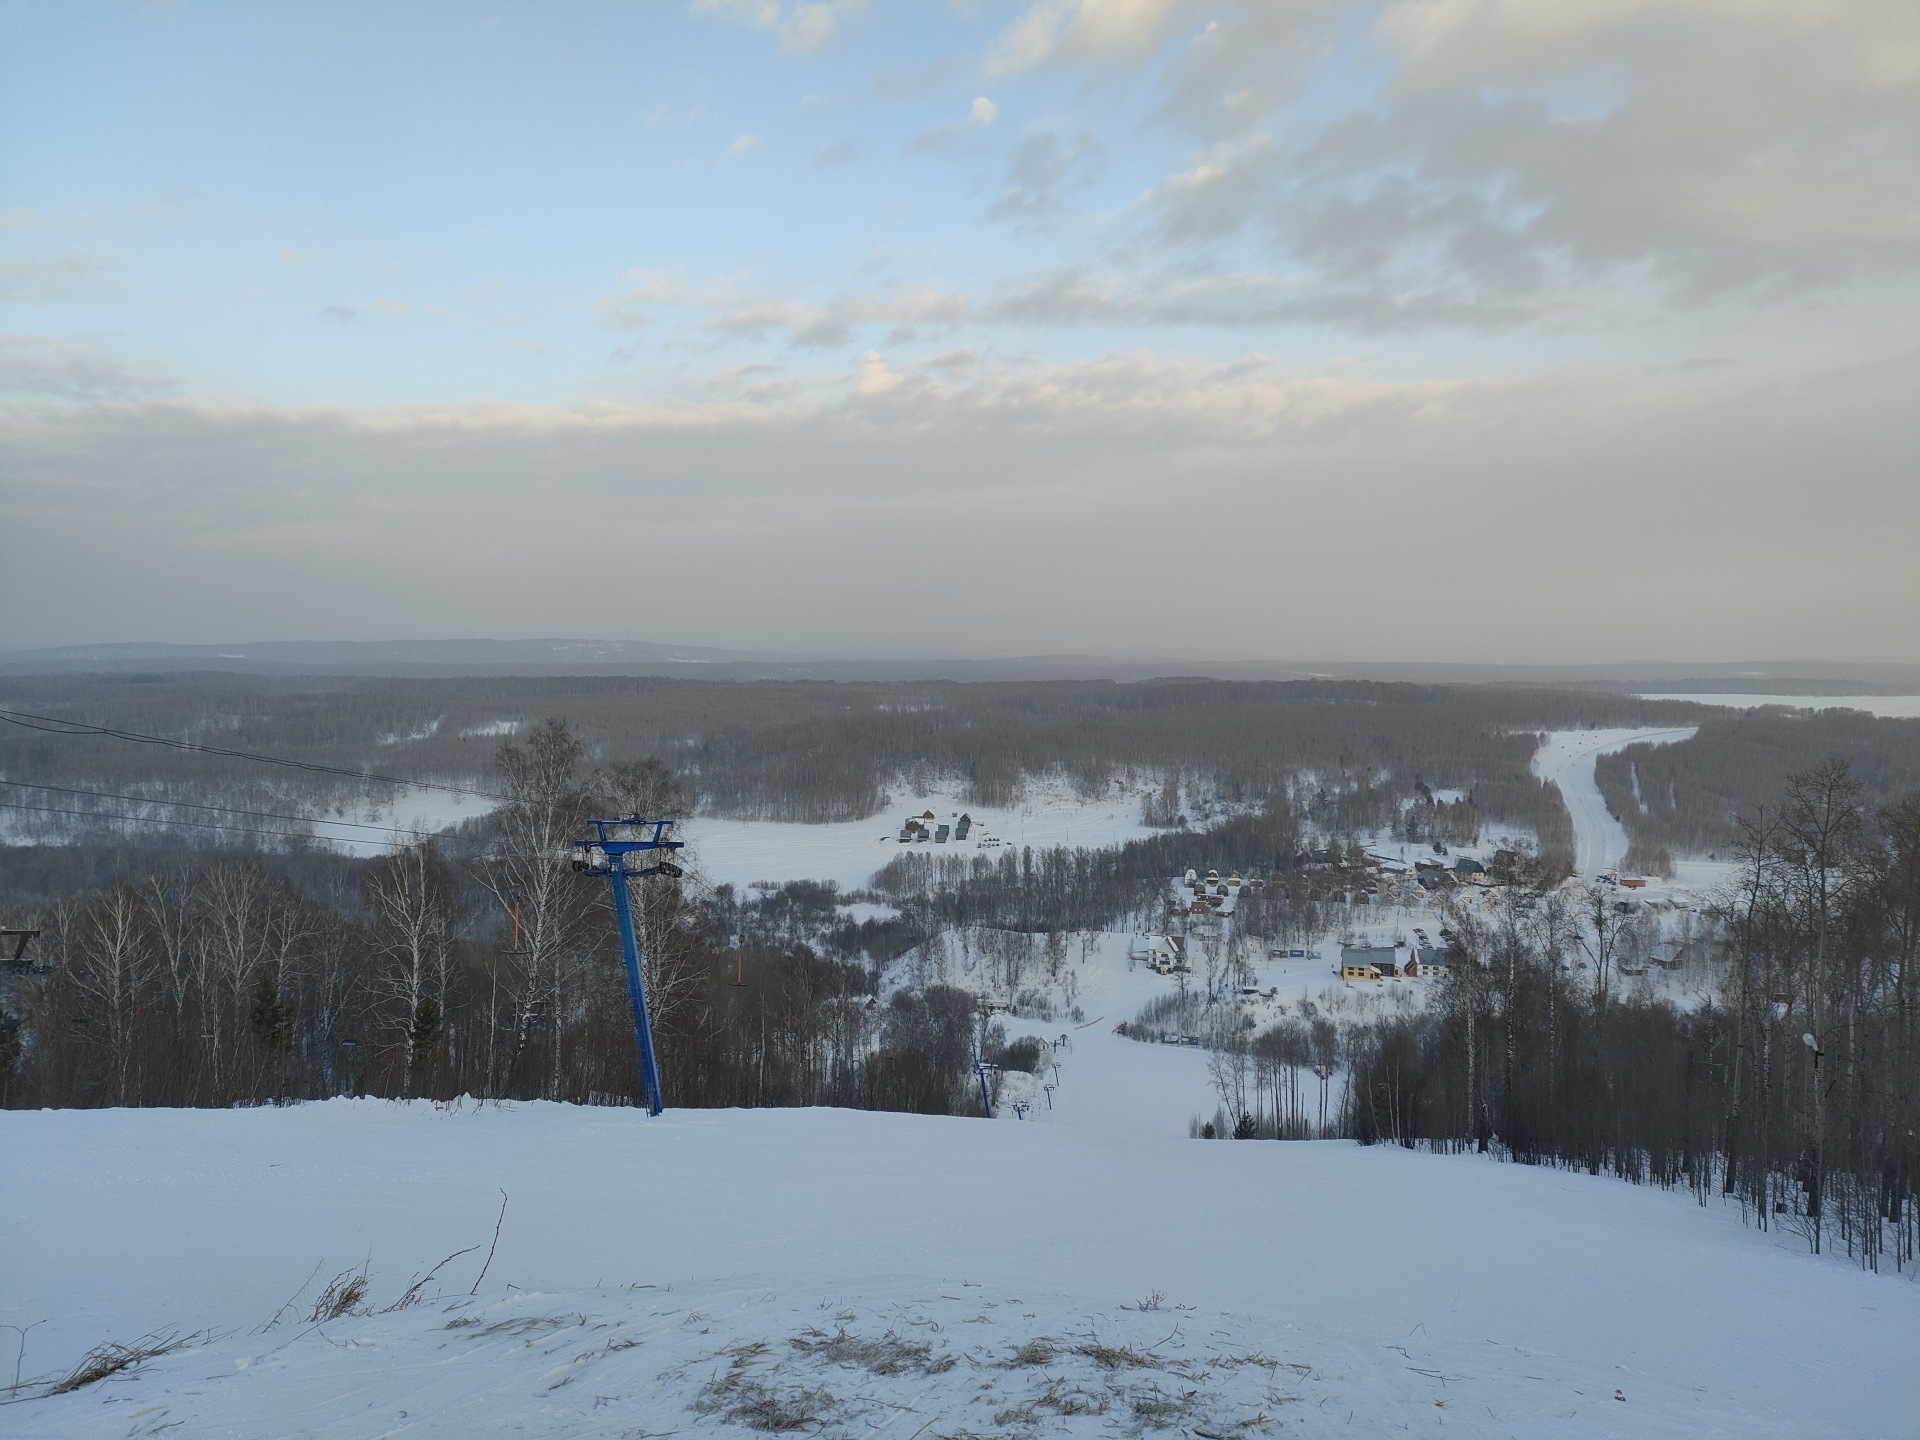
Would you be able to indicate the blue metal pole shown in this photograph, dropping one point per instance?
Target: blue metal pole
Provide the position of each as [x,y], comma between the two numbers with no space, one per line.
[642,1025]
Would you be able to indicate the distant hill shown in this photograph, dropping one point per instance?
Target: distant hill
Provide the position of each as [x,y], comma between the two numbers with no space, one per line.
[561,656]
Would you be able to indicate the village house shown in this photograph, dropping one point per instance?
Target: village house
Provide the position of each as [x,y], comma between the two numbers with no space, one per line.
[1164,953]
[1368,962]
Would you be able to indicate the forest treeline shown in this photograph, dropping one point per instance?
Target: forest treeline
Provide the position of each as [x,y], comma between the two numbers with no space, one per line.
[491,972]
[1793,1089]
[1686,798]
[1344,756]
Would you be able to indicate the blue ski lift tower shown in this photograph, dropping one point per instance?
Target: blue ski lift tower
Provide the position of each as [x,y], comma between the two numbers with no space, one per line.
[619,851]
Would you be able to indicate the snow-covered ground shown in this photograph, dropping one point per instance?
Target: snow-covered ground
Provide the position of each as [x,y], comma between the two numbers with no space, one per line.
[715,1272]
[1890,707]
[743,851]
[1567,758]
[1105,986]
[426,809]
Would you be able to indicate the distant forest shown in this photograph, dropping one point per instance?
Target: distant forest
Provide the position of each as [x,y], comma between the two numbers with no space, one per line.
[1336,759]
[1686,799]
[1341,757]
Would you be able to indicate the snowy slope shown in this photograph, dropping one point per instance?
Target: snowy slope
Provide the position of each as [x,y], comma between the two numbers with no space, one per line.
[1305,1288]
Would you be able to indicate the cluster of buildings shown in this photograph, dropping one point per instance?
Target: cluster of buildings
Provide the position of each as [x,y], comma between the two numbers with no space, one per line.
[921,828]
[1206,894]
[1422,958]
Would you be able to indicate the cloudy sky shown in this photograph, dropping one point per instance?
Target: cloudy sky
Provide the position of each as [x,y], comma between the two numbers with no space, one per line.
[1502,330]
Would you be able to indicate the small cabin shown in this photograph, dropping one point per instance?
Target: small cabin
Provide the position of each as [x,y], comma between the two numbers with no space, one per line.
[962,826]
[940,834]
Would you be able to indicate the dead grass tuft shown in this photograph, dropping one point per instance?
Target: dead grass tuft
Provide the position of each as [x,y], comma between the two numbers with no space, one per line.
[1159,1409]
[1037,1351]
[345,1294]
[1116,1357]
[888,1355]
[111,1358]
[741,1399]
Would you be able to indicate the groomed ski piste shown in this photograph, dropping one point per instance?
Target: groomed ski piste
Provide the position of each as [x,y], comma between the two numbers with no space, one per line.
[1088,1270]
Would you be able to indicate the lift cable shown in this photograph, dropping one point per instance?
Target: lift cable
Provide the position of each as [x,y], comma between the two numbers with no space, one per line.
[53,725]
[216,809]
[182,823]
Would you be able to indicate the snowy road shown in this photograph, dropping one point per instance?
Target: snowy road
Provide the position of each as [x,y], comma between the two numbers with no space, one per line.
[1567,758]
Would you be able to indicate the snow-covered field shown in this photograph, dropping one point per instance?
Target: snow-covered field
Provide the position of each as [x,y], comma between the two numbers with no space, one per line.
[1888,707]
[715,1272]
[1567,758]
[423,808]
[1088,1270]
[743,851]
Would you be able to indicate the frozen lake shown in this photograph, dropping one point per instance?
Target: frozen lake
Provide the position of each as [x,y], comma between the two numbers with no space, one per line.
[1887,707]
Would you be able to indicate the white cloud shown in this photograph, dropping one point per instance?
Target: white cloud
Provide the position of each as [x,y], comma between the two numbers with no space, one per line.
[1046,484]
[982,113]
[741,144]
[803,26]
[1043,165]
[38,279]
[1518,162]
[40,367]
[382,309]
[1087,31]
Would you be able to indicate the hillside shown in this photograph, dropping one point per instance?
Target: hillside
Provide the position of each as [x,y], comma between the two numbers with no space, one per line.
[1088,1272]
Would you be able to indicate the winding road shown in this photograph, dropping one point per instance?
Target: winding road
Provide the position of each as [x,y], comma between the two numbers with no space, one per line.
[1567,758]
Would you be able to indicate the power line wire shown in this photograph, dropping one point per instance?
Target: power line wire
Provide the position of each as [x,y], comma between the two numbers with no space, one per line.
[217,809]
[177,824]
[45,725]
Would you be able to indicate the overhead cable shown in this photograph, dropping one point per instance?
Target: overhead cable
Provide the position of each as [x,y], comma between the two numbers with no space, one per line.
[53,725]
[189,824]
[195,805]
